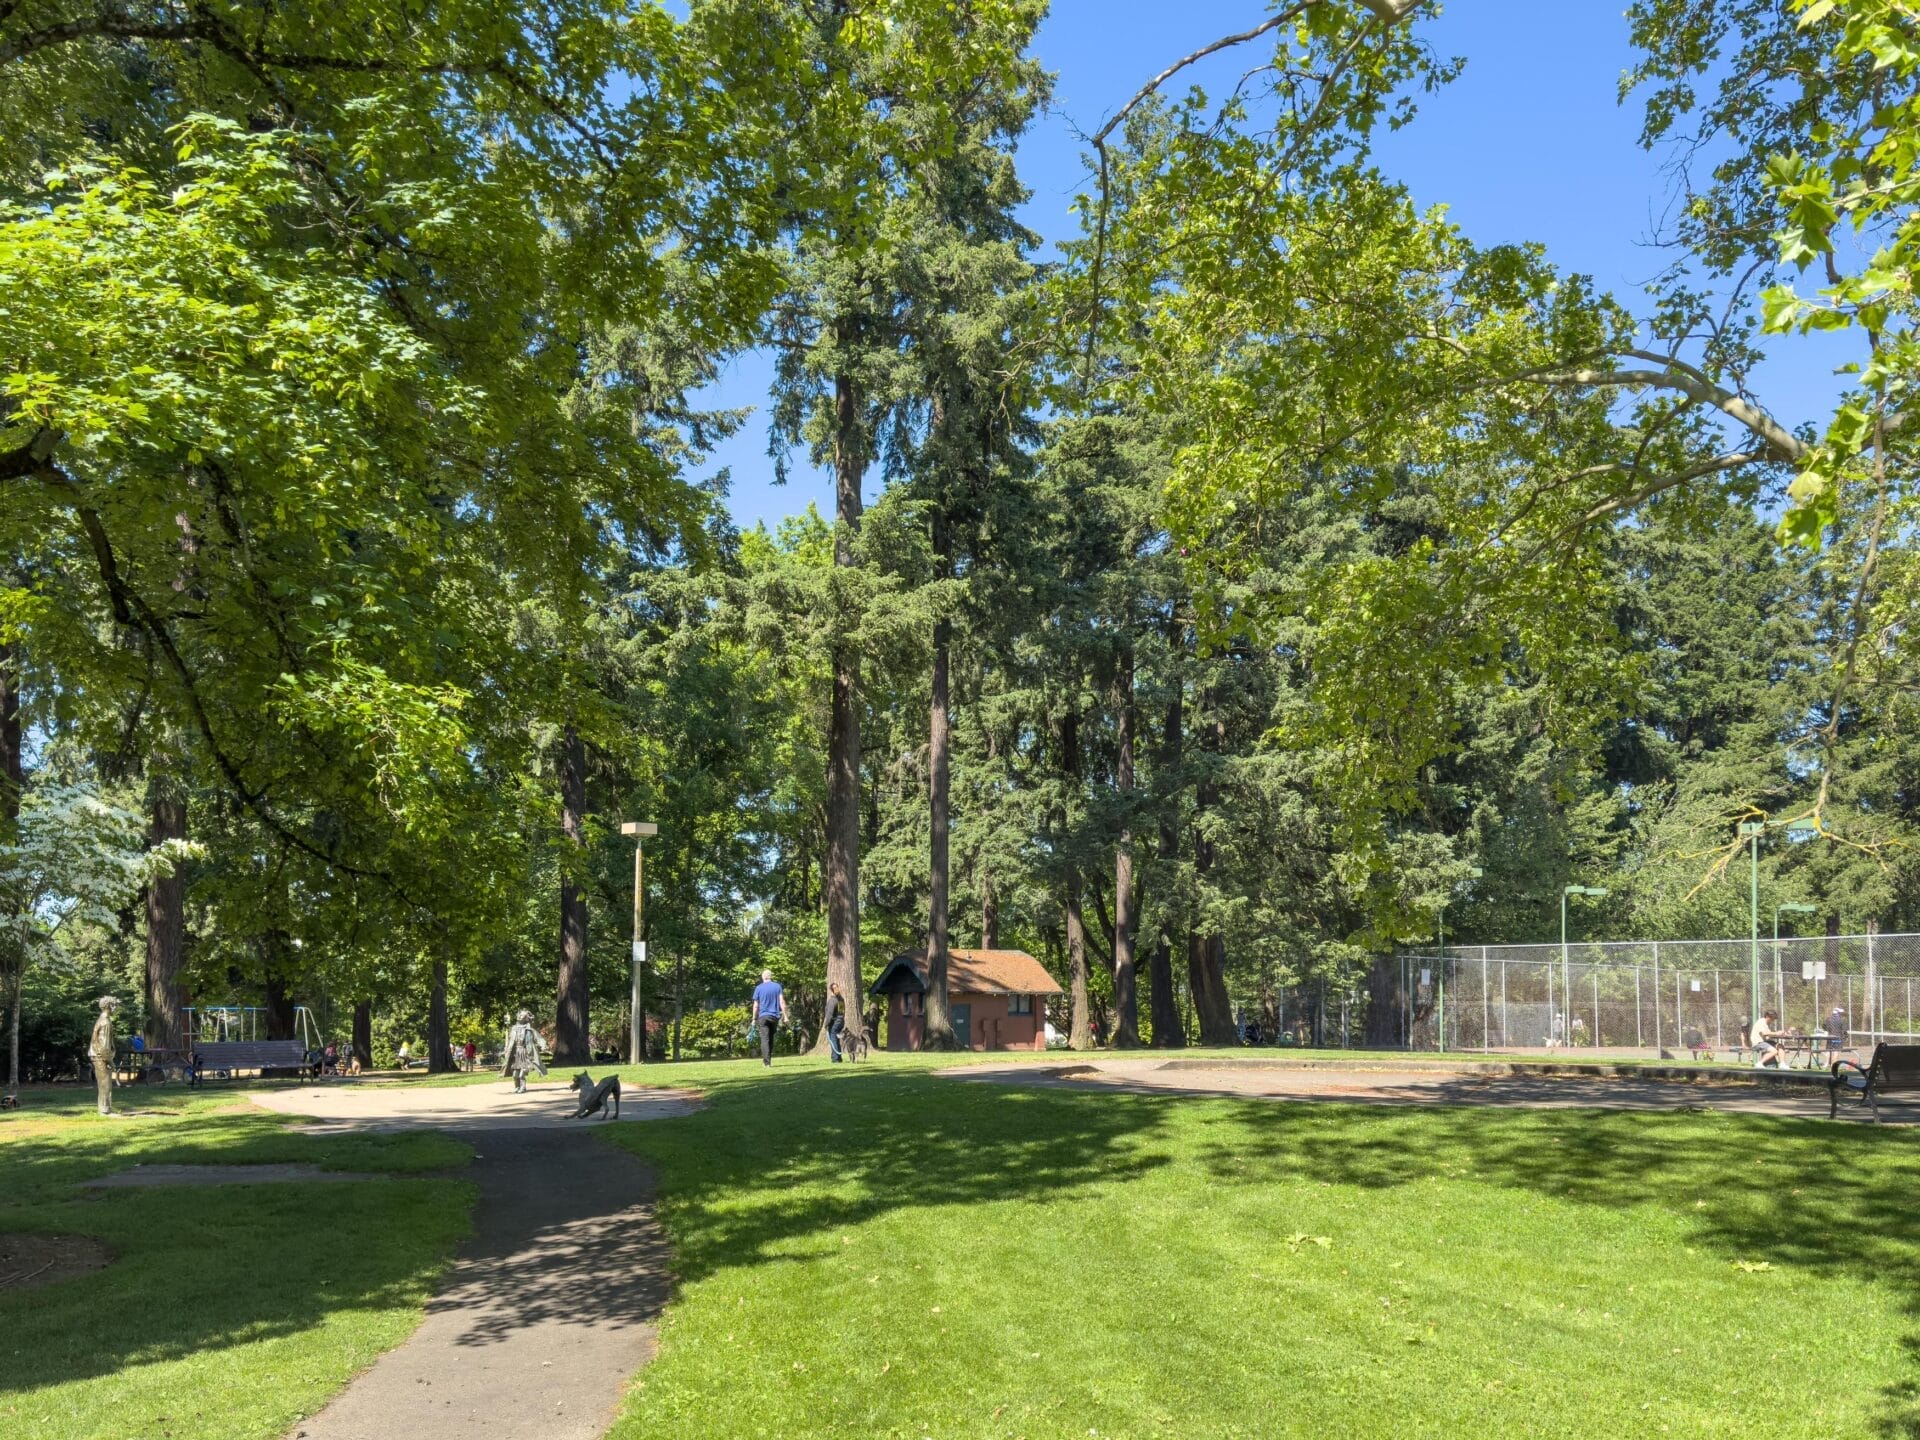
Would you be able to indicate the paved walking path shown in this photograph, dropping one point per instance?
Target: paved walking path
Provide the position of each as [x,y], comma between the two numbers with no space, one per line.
[1423,1086]
[548,1308]
[458,1109]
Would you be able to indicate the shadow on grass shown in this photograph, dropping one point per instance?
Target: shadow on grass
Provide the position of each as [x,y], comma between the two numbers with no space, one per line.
[816,1151]
[200,1269]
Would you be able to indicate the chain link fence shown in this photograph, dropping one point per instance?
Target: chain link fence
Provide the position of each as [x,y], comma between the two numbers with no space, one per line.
[1651,995]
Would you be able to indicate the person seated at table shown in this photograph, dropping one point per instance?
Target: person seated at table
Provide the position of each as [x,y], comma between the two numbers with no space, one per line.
[1836,1028]
[1765,1052]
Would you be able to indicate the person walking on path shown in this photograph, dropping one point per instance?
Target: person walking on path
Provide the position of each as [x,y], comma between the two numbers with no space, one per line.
[836,1020]
[523,1052]
[100,1051]
[769,1010]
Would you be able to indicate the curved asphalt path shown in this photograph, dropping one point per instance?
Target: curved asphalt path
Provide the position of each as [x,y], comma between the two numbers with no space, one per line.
[552,1303]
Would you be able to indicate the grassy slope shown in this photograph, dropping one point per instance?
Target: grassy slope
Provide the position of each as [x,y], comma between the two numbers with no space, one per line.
[230,1312]
[885,1253]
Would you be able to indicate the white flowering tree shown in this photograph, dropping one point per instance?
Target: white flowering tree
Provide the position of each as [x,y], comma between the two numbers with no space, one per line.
[78,855]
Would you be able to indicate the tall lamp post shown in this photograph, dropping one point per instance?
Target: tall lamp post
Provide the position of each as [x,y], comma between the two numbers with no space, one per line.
[1566,970]
[1751,830]
[639,830]
[1779,984]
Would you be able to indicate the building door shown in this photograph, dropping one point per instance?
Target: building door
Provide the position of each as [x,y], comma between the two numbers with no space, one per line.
[963,1025]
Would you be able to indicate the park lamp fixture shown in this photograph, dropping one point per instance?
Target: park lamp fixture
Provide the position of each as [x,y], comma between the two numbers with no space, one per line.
[639,830]
[1789,908]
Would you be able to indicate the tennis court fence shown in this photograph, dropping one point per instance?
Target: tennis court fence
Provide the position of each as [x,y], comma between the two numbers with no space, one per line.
[1646,995]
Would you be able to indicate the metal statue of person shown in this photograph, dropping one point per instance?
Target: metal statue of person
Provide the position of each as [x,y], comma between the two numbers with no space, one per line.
[523,1052]
[100,1050]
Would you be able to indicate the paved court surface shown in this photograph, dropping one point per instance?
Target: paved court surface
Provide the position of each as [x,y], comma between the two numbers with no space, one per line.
[1428,1086]
[459,1109]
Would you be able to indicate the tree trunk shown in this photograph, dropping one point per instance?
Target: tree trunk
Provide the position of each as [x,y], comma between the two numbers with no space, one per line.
[166,927]
[989,912]
[1080,1023]
[1169,1030]
[13,957]
[843,726]
[439,1028]
[13,1030]
[274,948]
[363,1033]
[1206,954]
[938,1033]
[1386,1021]
[570,1015]
[1126,1000]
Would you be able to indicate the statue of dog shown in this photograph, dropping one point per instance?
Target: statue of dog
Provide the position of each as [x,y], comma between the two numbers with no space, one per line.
[593,1098]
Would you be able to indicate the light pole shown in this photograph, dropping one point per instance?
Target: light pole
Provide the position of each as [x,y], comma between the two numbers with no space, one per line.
[1751,830]
[639,830]
[1779,985]
[1566,970]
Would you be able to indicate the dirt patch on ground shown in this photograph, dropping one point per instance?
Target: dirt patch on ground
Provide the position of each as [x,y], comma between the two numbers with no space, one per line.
[144,1176]
[28,1261]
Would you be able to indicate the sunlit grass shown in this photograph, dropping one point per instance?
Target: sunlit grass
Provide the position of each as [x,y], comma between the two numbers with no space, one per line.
[886,1253]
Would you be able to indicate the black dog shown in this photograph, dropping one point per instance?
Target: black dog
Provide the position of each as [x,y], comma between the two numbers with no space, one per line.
[593,1098]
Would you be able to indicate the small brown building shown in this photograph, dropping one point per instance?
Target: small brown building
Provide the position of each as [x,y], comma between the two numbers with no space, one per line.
[999,999]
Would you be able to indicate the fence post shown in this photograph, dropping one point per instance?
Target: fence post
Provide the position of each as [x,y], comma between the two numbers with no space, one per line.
[1551,1026]
[1636,1008]
[1486,1042]
[1656,997]
[1504,1041]
[1719,1029]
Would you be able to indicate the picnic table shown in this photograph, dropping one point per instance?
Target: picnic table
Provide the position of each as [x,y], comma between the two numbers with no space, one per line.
[1818,1048]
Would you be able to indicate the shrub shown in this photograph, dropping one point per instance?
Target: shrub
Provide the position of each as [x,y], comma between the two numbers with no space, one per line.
[707,1033]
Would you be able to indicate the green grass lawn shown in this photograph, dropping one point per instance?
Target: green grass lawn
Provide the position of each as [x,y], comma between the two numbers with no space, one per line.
[881,1252]
[228,1312]
[876,1251]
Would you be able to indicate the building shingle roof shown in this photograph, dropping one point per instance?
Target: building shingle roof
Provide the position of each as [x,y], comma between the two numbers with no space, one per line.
[982,972]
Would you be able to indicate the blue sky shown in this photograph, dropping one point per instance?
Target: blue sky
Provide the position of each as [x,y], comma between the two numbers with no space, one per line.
[1529,144]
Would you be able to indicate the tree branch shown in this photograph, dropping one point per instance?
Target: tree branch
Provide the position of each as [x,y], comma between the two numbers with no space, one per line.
[1781,443]
[1388,12]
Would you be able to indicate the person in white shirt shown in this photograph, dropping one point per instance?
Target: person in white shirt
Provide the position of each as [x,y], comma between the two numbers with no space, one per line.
[1765,1052]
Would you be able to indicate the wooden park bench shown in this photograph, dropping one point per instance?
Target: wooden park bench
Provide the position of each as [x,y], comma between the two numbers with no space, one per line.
[1892,1070]
[226,1058]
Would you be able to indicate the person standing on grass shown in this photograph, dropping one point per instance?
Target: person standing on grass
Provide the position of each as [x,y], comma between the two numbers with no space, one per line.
[769,1010]
[522,1052]
[836,1019]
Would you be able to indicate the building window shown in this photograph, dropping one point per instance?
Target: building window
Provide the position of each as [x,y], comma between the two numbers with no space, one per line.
[1020,1004]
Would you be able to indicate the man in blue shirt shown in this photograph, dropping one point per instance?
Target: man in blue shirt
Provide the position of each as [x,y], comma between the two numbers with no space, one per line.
[769,1010]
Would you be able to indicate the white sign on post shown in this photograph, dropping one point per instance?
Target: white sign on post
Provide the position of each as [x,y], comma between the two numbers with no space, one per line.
[1813,969]
[639,952]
